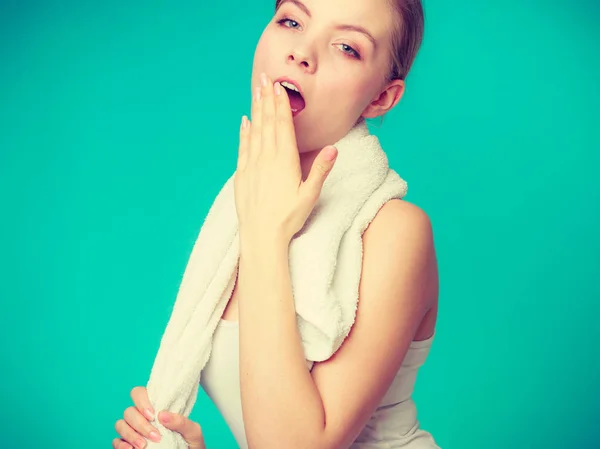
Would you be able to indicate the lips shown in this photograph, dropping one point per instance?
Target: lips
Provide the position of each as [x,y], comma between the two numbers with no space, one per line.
[297,102]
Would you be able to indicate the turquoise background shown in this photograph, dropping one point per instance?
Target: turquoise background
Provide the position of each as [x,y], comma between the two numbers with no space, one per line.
[118,126]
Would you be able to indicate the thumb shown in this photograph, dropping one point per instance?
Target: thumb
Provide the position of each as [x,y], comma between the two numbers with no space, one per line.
[188,429]
[321,168]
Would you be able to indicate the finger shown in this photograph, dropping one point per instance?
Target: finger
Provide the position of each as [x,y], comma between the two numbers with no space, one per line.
[118,443]
[140,398]
[268,142]
[189,430]
[255,137]
[244,144]
[319,171]
[140,424]
[129,435]
[285,132]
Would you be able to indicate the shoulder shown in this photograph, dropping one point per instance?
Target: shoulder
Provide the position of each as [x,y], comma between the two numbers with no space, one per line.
[398,215]
[400,226]
[399,259]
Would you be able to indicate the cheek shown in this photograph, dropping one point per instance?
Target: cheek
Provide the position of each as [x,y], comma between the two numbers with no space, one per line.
[364,90]
[265,50]
[351,94]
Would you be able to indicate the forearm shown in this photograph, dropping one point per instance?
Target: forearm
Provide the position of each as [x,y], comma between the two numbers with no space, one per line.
[281,403]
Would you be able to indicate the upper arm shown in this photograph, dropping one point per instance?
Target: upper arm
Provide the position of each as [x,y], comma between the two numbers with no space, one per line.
[398,272]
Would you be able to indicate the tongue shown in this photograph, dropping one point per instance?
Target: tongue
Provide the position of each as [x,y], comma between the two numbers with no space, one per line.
[296,101]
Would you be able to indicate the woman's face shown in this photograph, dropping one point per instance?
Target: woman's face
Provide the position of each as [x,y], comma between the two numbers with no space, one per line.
[337,52]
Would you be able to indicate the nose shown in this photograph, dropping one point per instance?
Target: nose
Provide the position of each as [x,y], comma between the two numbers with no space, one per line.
[304,59]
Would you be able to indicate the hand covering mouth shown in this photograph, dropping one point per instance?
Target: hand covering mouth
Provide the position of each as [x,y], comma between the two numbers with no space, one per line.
[297,102]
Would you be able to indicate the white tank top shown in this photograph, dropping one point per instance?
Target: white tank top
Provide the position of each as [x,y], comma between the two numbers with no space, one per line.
[394,423]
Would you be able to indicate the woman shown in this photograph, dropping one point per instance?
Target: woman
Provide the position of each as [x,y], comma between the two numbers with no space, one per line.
[319,69]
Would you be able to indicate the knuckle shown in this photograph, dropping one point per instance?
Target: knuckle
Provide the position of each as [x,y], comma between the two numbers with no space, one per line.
[136,392]
[196,429]
[283,104]
[181,420]
[282,120]
[323,169]
[129,414]
[195,438]
[119,426]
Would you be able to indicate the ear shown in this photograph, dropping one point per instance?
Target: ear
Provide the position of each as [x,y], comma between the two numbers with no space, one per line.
[386,100]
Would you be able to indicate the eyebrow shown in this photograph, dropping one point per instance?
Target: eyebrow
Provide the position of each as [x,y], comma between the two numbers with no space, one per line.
[356,28]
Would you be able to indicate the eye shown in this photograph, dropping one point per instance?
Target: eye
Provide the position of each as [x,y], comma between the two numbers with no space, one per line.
[291,23]
[347,49]
[287,22]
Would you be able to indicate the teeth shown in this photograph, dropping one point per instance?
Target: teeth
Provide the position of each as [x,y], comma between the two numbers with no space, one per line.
[290,86]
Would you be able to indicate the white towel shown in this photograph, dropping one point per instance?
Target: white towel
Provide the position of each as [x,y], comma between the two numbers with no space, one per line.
[325,267]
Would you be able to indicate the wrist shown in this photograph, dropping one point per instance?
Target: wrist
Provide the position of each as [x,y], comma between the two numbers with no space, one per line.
[262,241]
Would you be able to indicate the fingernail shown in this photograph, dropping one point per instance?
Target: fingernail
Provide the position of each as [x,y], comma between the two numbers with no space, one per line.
[166,417]
[141,444]
[154,436]
[257,94]
[263,79]
[330,154]
[277,88]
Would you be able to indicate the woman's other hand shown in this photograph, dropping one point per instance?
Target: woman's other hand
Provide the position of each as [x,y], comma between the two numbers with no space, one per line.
[135,428]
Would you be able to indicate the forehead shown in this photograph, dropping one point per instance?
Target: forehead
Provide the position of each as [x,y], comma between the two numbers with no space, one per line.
[374,15]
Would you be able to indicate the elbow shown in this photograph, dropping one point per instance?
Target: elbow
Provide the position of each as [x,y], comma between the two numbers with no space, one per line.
[287,444]
[289,438]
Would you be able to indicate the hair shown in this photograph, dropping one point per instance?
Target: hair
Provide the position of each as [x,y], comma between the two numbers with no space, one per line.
[406,37]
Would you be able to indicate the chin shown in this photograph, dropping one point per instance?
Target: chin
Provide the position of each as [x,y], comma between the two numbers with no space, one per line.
[301,125]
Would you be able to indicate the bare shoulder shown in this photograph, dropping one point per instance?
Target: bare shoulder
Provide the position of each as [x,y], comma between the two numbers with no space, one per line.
[401,237]
[399,230]
[397,216]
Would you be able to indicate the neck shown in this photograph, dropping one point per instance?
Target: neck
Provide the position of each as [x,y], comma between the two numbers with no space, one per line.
[306,161]
[307,158]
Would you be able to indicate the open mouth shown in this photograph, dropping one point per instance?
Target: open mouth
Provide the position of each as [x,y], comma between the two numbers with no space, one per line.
[297,102]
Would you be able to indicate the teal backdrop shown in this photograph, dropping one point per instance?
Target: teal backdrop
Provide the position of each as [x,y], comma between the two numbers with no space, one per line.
[119,123]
